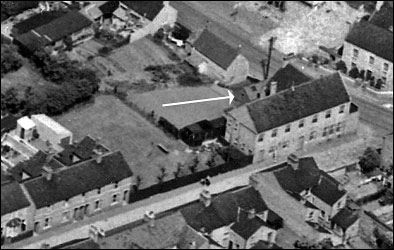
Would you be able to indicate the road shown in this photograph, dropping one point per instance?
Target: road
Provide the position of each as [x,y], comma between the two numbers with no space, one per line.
[190,15]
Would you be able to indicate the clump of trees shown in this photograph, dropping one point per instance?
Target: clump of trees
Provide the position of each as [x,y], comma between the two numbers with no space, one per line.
[11,60]
[370,160]
[71,84]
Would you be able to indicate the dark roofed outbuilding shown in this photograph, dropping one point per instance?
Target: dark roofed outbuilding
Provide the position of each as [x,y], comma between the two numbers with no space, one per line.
[149,9]
[215,49]
[345,218]
[287,77]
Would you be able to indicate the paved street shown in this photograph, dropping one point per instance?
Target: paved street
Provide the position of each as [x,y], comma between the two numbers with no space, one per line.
[229,32]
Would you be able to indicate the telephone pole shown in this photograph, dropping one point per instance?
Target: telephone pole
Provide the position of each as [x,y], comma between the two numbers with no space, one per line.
[270,48]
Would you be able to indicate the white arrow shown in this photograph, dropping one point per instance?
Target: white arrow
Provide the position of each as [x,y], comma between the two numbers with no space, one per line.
[230,97]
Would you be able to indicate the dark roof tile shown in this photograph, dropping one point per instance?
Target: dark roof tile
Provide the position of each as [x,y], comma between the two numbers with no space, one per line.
[75,180]
[149,9]
[215,49]
[289,106]
[288,76]
[372,38]
[12,198]
[345,218]
[327,190]
[384,17]
[246,227]
[8,123]
[109,7]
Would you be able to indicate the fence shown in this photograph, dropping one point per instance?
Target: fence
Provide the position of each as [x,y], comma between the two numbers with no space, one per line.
[190,179]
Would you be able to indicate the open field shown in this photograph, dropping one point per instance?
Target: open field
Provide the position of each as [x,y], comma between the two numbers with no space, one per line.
[122,129]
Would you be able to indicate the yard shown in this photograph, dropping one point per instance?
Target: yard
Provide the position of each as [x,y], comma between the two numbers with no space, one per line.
[122,129]
[22,78]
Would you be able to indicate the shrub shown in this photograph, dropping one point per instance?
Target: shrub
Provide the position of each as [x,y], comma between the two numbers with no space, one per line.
[370,160]
[104,51]
[189,79]
[341,66]
[10,59]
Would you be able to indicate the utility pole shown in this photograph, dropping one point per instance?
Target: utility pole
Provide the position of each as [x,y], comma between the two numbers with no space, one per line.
[270,48]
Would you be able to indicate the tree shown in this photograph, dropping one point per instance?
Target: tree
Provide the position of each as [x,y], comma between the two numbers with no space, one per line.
[178,170]
[162,175]
[194,164]
[11,101]
[341,66]
[68,42]
[370,160]
[323,244]
[158,36]
[354,73]
[10,59]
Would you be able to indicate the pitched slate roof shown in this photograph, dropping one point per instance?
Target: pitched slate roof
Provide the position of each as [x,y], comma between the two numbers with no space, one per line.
[288,76]
[32,167]
[288,106]
[309,176]
[85,147]
[215,49]
[109,7]
[247,227]
[149,9]
[295,181]
[327,190]
[75,180]
[372,38]
[384,17]
[223,210]
[345,218]
[265,245]
[8,123]
[36,21]
[65,25]
[12,198]
[16,7]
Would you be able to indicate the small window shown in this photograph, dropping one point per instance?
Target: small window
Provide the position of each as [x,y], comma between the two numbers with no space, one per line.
[97,205]
[339,127]
[66,216]
[385,67]
[125,195]
[285,144]
[99,191]
[314,119]
[287,129]
[261,138]
[116,185]
[322,213]
[274,132]
[301,124]
[114,198]
[325,131]
[371,60]
[312,136]
[331,130]
[342,109]
[384,79]
[47,222]
[328,114]
[272,149]
[355,53]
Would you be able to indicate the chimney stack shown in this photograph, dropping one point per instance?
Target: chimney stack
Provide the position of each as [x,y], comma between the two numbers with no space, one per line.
[379,5]
[273,88]
[205,198]
[251,214]
[48,173]
[99,159]
[150,218]
[293,161]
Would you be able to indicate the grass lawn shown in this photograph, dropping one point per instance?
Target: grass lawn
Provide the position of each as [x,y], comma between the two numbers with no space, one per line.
[121,129]
[22,78]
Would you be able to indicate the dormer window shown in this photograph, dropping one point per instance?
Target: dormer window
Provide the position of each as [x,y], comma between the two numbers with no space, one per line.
[261,138]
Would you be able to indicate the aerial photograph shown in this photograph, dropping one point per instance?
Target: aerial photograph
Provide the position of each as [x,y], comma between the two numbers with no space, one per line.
[196,124]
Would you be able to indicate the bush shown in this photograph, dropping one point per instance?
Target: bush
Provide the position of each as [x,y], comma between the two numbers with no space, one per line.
[10,59]
[158,36]
[370,160]
[104,51]
[341,66]
[354,73]
[188,79]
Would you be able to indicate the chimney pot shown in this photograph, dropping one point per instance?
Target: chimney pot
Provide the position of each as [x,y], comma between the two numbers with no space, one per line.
[293,161]
[251,214]
[150,218]
[273,88]
[99,159]
[205,198]
[48,173]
